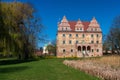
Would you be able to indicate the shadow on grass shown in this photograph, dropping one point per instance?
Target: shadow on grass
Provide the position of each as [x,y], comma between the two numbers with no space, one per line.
[14,61]
[13,69]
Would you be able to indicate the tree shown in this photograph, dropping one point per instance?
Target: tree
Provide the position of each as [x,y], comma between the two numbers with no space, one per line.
[19,29]
[52,48]
[113,37]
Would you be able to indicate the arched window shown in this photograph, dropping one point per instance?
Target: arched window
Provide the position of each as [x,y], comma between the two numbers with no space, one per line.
[79,48]
[83,48]
[71,50]
[63,50]
[88,48]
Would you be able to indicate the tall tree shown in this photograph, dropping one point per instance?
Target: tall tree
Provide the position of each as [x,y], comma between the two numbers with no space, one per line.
[19,29]
[113,37]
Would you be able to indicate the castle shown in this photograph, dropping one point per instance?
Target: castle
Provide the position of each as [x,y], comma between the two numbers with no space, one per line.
[79,38]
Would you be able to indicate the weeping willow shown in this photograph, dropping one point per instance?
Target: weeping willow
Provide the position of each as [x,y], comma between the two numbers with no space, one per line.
[18,29]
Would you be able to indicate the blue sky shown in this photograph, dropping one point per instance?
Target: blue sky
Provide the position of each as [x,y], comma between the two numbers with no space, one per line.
[52,11]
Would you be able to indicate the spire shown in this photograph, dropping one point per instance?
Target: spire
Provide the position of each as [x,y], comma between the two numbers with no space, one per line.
[64,19]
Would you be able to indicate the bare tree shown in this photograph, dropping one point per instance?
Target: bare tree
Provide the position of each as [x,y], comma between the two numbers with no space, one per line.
[113,37]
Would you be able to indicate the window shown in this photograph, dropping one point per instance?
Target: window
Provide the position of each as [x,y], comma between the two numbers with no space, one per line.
[91,29]
[97,35]
[83,35]
[63,42]
[92,35]
[70,35]
[71,50]
[80,28]
[63,35]
[97,42]
[95,29]
[62,28]
[63,50]
[66,28]
[92,41]
[76,42]
[76,35]
[92,50]
[97,50]
[70,41]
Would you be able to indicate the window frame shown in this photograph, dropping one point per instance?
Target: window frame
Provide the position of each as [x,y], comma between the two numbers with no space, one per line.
[83,35]
[92,41]
[71,50]
[70,41]
[76,35]
[63,35]
[63,41]
[92,35]
[70,35]
[64,50]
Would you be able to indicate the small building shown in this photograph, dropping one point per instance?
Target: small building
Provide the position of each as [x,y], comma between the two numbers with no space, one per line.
[45,51]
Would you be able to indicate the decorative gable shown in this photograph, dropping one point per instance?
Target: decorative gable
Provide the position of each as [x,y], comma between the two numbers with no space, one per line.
[79,26]
[94,26]
[64,25]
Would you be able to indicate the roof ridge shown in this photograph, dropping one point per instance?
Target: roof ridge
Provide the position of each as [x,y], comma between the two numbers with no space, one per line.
[81,21]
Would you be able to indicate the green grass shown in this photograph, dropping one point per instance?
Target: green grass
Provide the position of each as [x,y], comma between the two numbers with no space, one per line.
[45,69]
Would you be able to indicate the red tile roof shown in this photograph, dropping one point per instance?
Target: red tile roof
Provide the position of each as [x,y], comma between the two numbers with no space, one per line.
[73,23]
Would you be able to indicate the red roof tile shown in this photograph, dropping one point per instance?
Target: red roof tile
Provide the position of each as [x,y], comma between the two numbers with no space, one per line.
[86,25]
[73,23]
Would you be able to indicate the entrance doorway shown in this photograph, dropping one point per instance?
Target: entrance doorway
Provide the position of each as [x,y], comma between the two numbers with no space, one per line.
[88,48]
[79,48]
[83,48]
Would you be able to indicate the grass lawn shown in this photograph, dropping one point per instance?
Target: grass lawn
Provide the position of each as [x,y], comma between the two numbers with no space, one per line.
[44,69]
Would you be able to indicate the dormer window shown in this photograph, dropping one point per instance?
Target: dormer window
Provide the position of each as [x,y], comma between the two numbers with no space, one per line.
[62,28]
[95,29]
[91,29]
[66,28]
[81,29]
